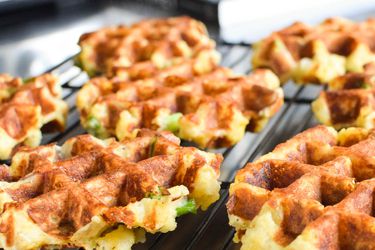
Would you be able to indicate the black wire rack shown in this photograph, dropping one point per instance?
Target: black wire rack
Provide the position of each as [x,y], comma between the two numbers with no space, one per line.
[208,229]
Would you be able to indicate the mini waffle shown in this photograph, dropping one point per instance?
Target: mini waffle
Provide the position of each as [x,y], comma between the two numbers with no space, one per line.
[156,43]
[212,109]
[314,191]
[103,194]
[26,107]
[317,54]
[349,102]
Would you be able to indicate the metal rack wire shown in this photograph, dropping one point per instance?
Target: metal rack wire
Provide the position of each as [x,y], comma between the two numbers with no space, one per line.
[209,229]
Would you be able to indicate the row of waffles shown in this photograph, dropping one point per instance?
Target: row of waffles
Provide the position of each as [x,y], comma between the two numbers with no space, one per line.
[338,53]
[102,194]
[160,74]
[165,75]
[315,191]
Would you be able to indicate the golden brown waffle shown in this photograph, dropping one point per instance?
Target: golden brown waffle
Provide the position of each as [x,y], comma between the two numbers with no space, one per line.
[349,101]
[100,194]
[26,107]
[212,108]
[317,54]
[157,43]
[314,191]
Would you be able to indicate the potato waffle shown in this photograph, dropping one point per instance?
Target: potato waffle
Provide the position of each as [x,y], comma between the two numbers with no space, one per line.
[26,107]
[317,54]
[213,108]
[102,194]
[314,191]
[151,43]
[349,100]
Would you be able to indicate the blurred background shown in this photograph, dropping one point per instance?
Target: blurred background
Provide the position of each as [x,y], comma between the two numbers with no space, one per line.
[38,34]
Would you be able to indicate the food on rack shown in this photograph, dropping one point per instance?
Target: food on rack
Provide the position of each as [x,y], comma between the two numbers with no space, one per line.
[26,108]
[212,109]
[314,191]
[103,194]
[350,100]
[153,43]
[317,54]
[162,74]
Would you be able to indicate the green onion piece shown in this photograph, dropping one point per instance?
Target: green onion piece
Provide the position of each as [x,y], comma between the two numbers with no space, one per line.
[154,196]
[366,86]
[189,207]
[78,61]
[172,122]
[28,80]
[151,151]
[93,126]
[11,90]
[84,61]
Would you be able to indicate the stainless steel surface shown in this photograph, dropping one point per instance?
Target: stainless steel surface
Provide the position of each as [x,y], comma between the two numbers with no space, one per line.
[31,48]
[33,54]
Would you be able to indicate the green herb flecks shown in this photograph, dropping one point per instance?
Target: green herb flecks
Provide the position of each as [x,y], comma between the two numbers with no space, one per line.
[78,62]
[28,80]
[94,127]
[366,86]
[153,196]
[172,122]
[151,151]
[189,207]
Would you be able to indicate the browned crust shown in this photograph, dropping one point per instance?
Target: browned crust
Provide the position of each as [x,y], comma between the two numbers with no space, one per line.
[62,195]
[330,192]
